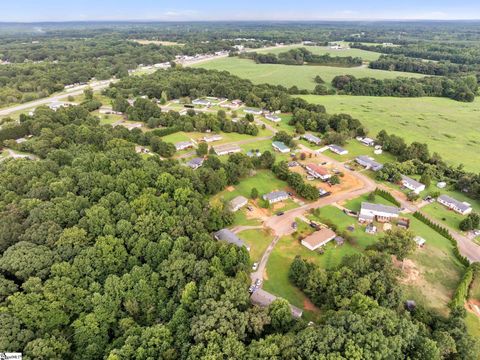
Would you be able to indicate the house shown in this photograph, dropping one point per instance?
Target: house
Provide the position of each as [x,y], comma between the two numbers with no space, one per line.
[403,223]
[212,138]
[463,208]
[195,163]
[318,239]
[338,149]
[420,241]
[141,150]
[263,298]
[226,149]
[368,163]
[412,184]
[273,117]
[130,126]
[312,139]
[55,105]
[237,203]
[367,141]
[201,102]
[252,111]
[381,213]
[280,147]
[229,237]
[318,172]
[182,145]
[275,196]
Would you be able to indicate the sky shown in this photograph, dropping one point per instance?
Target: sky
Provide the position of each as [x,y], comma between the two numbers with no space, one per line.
[194,10]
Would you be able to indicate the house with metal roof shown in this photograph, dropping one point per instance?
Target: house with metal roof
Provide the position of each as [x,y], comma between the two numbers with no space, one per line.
[182,145]
[280,147]
[318,238]
[381,213]
[212,138]
[273,118]
[318,172]
[338,149]
[368,163]
[263,298]
[252,111]
[195,163]
[312,139]
[463,208]
[201,102]
[366,141]
[229,237]
[412,184]
[237,203]
[226,149]
[275,196]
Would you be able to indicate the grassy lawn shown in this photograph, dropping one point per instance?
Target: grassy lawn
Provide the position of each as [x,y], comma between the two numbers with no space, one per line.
[448,127]
[287,75]
[473,324]
[355,148]
[448,217]
[258,240]
[177,137]
[475,289]
[322,50]
[264,180]
[242,220]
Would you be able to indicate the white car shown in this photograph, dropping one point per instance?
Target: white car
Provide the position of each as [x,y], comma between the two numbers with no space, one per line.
[255,266]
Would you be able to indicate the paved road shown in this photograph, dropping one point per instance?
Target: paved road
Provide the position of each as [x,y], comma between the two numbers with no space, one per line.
[58,97]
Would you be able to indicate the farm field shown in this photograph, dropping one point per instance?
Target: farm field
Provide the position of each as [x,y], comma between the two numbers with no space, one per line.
[450,128]
[322,50]
[288,75]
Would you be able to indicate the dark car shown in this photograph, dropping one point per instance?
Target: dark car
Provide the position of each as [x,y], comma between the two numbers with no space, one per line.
[280,213]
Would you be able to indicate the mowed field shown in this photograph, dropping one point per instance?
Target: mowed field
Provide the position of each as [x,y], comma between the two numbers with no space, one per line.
[322,50]
[449,127]
[290,75]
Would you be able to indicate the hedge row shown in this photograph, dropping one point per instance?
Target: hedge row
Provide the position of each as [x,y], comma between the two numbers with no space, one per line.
[387,196]
[461,293]
[166,131]
[445,233]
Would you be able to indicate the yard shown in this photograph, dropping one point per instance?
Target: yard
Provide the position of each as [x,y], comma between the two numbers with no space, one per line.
[258,240]
[288,75]
[449,127]
[355,148]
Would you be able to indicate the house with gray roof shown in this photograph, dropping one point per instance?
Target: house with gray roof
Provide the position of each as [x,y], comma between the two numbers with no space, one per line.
[237,203]
[312,139]
[280,147]
[226,149]
[229,237]
[382,213]
[263,298]
[368,163]
[182,145]
[252,111]
[275,196]
[338,149]
[273,117]
[463,208]
[195,163]
[412,184]
[201,102]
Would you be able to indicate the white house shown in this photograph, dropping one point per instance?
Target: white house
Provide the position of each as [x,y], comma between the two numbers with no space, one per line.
[182,145]
[237,203]
[201,102]
[382,213]
[312,139]
[275,196]
[226,149]
[280,147]
[318,172]
[212,138]
[318,239]
[252,111]
[273,117]
[367,141]
[463,208]
[412,184]
[338,149]
[368,163]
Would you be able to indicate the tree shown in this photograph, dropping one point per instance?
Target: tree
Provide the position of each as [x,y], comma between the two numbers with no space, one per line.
[425,179]
[202,149]
[88,93]
[280,315]
[254,193]
[471,222]
[398,242]
[334,180]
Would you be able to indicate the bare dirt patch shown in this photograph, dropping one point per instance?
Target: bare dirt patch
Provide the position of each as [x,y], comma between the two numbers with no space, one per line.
[230,188]
[257,213]
[473,306]
[411,274]
[309,306]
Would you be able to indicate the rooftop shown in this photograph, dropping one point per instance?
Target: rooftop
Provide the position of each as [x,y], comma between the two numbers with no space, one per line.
[275,195]
[463,206]
[413,183]
[280,145]
[238,201]
[196,162]
[318,169]
[312,138]
[226,148]
[319,237]
[380,208]
[229,237]
[336,148]
[263,298]
[368,160]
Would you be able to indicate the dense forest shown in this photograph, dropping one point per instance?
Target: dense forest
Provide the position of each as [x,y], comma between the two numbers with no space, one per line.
[458,88]
[303,56]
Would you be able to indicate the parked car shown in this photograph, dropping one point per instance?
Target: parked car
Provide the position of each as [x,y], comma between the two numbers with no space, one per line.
[258,282]
[255,266]
[251,289]
[280,213]
[326,193]
[294,225]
